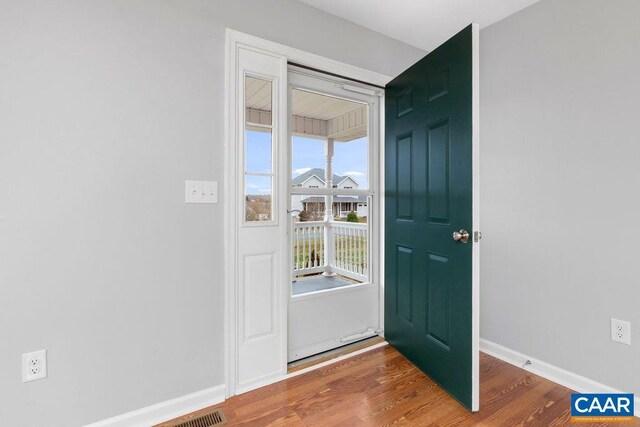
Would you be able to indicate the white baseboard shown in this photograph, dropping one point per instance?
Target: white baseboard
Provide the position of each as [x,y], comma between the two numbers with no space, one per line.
[260,382]
[166,410]
[183,405]
[553,373]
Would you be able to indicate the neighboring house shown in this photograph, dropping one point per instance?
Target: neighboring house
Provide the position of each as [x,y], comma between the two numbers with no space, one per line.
[342,205]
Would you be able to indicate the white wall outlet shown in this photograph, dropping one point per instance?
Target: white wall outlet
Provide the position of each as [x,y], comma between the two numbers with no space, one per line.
[621,331]
[34,366]
[201,192]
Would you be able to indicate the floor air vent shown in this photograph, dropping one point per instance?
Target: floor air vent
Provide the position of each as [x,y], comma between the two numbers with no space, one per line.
[210,419]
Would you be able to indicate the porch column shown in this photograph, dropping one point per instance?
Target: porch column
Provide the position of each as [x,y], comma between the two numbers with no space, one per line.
[328,212]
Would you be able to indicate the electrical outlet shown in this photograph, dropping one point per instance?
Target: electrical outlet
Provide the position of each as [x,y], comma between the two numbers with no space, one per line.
[621,331]
[34,366]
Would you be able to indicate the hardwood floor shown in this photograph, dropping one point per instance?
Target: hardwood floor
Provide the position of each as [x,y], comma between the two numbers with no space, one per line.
[380,387]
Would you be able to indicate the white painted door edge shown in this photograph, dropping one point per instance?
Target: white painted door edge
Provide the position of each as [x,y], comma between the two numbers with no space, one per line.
[167,410]
[551,372]
[475,195]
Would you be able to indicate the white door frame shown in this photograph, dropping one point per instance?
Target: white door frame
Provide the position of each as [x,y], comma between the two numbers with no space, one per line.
[234,40]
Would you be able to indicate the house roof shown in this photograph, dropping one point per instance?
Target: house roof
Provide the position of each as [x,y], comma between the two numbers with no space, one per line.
[318,172]
[347,177]
[336,199]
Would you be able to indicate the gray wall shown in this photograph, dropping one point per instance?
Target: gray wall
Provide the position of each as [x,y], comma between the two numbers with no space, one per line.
[106,107]
[560,175]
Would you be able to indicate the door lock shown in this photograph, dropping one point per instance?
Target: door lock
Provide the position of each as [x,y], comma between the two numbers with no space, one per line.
[461,236]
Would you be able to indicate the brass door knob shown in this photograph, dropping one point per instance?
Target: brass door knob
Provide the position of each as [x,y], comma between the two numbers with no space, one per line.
[461,236]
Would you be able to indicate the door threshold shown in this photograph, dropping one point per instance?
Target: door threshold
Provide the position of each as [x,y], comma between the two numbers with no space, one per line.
[329,355]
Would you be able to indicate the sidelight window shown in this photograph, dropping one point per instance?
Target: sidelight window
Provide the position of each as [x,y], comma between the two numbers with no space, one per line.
[259,150]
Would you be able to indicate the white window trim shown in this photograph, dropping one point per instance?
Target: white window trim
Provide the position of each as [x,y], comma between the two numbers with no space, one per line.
[233,40]
[274,130]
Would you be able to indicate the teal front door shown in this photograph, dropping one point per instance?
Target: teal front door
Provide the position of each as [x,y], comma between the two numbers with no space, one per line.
[431,286]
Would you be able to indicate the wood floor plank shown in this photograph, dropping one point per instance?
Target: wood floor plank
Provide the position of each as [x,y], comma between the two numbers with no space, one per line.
[370,400]
[302,387]
[382,388]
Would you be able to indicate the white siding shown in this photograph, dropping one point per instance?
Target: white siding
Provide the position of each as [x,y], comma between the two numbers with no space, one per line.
[314,182]
[348,182]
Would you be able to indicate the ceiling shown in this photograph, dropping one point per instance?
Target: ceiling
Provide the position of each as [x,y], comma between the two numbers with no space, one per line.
[422,23]
[303,104]
[307,104]
[314,115]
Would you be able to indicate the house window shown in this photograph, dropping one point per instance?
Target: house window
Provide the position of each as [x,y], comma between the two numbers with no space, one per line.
[258,150]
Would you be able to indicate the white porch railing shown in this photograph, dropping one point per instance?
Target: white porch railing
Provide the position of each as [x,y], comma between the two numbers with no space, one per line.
[308,247]
[350,249]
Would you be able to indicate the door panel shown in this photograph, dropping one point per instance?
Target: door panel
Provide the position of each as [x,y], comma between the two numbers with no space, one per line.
[311,331]
[404,172]
[429,291]
[259,288]
[404,285]
[259,221]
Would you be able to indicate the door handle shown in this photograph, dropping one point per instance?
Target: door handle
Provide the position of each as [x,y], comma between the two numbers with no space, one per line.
[461,236]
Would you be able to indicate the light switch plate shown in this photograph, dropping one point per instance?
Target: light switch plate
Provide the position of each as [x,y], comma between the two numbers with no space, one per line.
[201,192]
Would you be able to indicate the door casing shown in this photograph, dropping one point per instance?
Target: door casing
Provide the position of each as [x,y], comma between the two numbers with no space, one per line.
[234,41]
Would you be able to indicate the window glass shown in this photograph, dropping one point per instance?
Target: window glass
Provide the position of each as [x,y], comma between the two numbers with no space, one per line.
[258,198]
[317,118]
[350,160]
[330,233]
[258,150]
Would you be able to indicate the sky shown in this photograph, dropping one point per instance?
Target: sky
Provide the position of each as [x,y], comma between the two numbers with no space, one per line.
[349,158]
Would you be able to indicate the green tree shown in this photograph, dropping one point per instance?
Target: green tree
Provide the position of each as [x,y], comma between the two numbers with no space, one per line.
[352,217]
